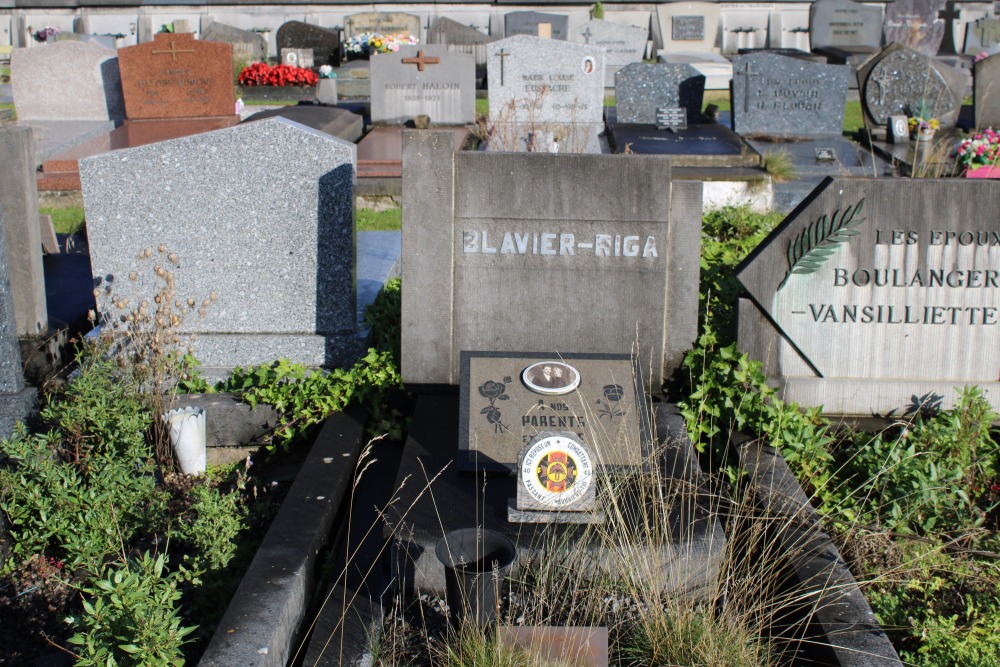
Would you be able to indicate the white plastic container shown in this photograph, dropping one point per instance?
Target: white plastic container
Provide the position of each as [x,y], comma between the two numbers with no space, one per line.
[187,436]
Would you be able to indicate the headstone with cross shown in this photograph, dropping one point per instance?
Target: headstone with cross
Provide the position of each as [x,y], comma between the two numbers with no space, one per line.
[462,38]
[623,44]
[534,23]
[983,35]
[427,80]
[177,76]
[745,76]
[382,23]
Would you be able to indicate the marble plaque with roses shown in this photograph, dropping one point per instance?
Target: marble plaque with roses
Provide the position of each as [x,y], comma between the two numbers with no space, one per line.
[509,398]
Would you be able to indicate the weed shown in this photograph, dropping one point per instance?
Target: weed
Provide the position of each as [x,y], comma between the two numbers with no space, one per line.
[779,166]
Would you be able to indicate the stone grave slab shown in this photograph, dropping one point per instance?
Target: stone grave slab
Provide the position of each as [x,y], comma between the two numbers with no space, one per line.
[339,123]
[382,23]
[877,296]
[177,76]
[560,244]
[700,145]
[986,92]
[743,28]
[845,23]
[42,91]
[915,24]
[642,88]
[461,38]
[623,45]
[716,69]
[325,43]
[536,24]
[896,80]
[423,80]
[789,29]
[983,35]
[688,26]
[504,406]
[248,46]
[780,96]
[380,152]
[296,249]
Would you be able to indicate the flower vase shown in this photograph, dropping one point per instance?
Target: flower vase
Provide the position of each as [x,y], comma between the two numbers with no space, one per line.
[983,172]
[925,134]
[186,427]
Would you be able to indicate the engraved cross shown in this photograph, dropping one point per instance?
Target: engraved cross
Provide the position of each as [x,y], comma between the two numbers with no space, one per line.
[173,50]
[587,35]
[421,60]
[748,75]
[882,81]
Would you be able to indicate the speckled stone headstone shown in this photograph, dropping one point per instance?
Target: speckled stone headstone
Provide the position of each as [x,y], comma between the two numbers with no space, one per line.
[526,23]
[325,43]
[782,96]
[622,44]
[381,23]
[897,80]
[986,92]
[642,88]
[247,45]
[546,80]
[915,24]
[43,91]
[884,292]
[260,214]
[423,79]
[844,23]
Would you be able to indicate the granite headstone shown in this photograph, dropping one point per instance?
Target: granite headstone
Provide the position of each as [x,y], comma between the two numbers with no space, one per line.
[423,80]
[642,88]
[916,24]
[177,76]
[622,44]
[381,23]
[325,43]
[336,122]
[781,96]
[986,92]
[879,296]
[248,46]
[43,91]
[282,270]
[845,23]
[536,24]
[569,266]
[898,80]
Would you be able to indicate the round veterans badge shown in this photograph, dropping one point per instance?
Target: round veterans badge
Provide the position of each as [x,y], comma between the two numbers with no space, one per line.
[557,470]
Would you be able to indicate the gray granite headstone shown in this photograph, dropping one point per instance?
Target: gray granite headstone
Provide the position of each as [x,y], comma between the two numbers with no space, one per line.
[527,23]
[983,35]
[844,23]
[782,96]
[986,92]
[915,24]
[642,88]
[879,295]
[325,43]
[381,23]
[622,44]
[461,38]
[423,80]
[43,90]
[594,253]
[247,45]
[898,80]
[281,263]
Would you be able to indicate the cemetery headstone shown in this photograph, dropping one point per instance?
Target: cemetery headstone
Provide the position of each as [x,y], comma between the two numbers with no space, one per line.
[688,26]
[983,35]
[545,86]
[584,268]
[781,96]
[536,24]
[382,23]
[877,296]
[986,92]
[43,90]
[428,80]
[461,38]
[297,57]
[283,271]
[844,28]
[916,24]
[958,17]
[716,69]
[898,80]
[642,88]
[248,46]
[325,43]
[623,45]
[177,76]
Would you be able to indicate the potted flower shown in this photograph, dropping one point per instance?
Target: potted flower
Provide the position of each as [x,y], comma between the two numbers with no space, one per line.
[979,154]
[922,124]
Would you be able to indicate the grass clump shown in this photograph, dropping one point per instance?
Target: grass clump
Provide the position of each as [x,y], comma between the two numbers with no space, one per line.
[389,220]
[66,220]
[779,166]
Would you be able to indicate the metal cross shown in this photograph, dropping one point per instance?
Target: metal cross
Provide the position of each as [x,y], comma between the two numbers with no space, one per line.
[174,50]
[421,60]
[882,81]
[747,74]
[587,35]
[503,54]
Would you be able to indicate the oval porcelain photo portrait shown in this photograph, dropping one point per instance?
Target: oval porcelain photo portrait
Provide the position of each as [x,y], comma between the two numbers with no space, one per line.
[550,377]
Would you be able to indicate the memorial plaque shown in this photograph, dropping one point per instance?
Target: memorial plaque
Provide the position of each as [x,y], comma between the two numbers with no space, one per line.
[687,28]
[844,23]
[325,43]
[886,293]
[642,88]
[898,81]
[826,155]
[672,118]
[177,76]
[382,23]
[297,57]
[528,23]
[507,401]
[899,130]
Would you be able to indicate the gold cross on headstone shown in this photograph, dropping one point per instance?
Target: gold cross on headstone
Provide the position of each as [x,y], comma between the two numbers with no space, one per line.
[421,60]
[173,51]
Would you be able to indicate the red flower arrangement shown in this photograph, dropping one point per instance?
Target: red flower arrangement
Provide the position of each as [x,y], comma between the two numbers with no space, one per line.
[262,74]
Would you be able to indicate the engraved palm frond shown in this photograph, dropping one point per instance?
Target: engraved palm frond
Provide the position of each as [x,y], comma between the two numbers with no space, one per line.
[817,242]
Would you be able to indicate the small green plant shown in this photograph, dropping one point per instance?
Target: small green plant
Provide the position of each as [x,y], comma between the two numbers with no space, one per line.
[597,10]
[679,636]
[367,220]
[779,166]
[67,219]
